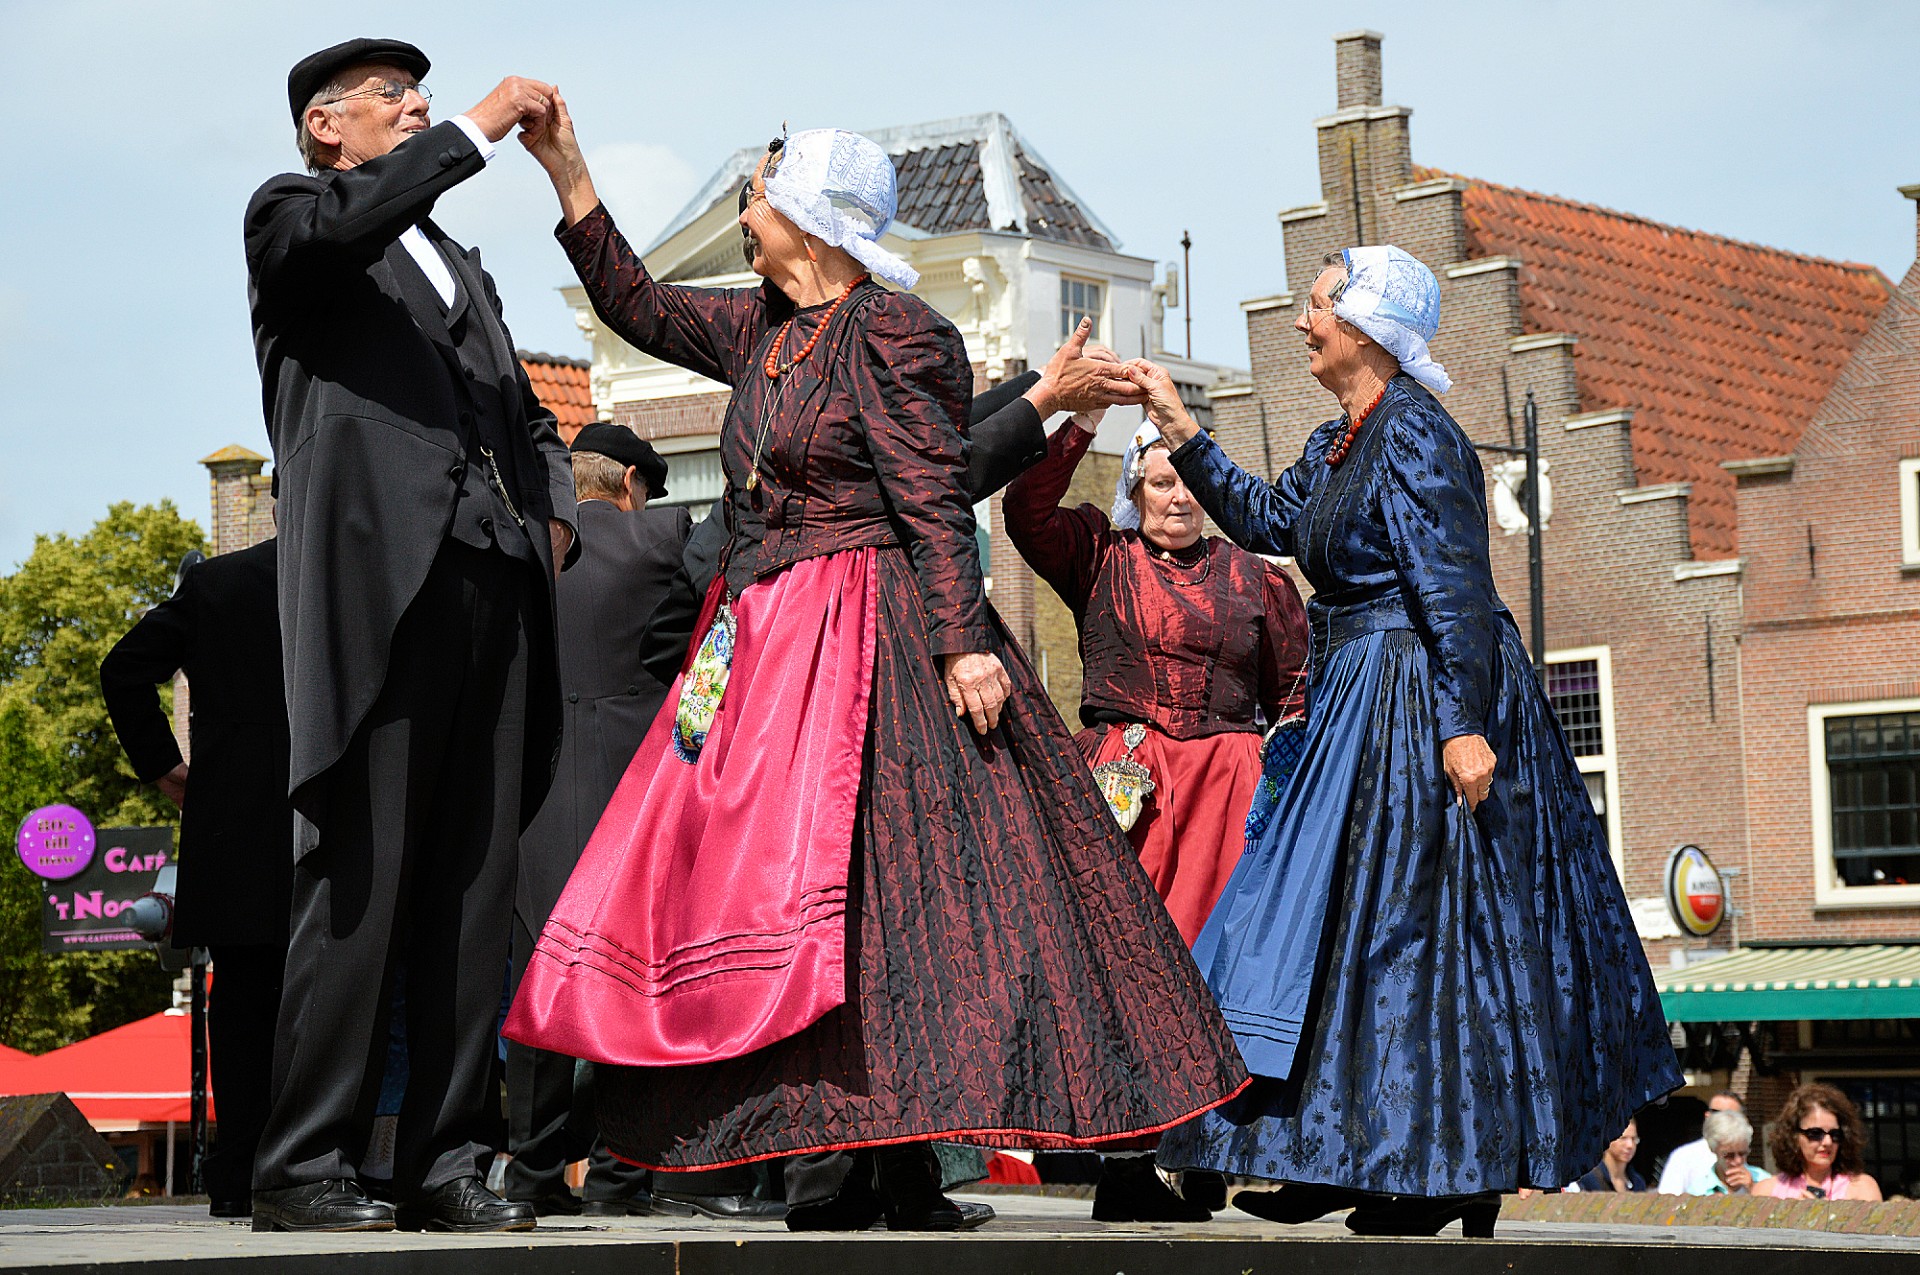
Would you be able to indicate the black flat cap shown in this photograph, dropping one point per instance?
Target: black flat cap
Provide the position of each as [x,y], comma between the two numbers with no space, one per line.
[624,447]
[311,73]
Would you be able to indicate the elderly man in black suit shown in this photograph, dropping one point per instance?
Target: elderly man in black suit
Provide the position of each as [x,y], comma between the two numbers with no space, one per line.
[425,509]
[222,626]
[629,559]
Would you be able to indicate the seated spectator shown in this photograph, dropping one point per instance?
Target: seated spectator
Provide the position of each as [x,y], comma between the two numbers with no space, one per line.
[1729,1137]
[1691,1159]
[1615,1172]
[1817,1142]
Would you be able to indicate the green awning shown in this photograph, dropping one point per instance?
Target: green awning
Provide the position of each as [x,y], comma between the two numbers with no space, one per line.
[1876,980]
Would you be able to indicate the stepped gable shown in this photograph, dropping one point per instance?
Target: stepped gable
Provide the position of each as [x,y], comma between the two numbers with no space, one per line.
[562,386]
[1723,349]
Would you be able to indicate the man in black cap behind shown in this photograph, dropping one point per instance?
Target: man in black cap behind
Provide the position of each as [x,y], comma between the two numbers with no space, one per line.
[425,508]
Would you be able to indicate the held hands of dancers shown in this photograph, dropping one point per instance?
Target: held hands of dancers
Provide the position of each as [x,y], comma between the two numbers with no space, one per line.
[1082,379]
[551,141]
[1162,399]
[515,100]
[977,687]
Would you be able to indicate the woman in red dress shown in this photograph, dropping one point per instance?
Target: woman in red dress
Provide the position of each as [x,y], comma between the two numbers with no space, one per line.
[1187,644]
[857,891]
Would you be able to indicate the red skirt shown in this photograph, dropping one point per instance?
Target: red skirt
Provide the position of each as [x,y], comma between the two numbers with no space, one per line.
[1010,976]
[1194,826]
[707,916]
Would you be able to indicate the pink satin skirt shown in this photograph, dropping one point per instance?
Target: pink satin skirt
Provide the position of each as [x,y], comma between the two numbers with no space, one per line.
[708,915]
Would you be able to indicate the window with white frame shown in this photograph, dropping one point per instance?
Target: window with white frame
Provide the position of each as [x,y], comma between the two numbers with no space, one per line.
[1079,299]
[1910,512]
[1866,795]
[694,479]
[1580,687]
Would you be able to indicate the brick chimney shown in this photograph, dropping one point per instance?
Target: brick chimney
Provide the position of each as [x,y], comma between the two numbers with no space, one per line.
[1366,150]
[242,498]
[1913,192]
[1356,61]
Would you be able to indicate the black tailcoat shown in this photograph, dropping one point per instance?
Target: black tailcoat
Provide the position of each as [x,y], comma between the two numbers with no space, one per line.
[236,829]
[374,391]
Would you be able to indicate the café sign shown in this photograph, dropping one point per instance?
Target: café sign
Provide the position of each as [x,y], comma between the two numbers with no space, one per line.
[1696,894]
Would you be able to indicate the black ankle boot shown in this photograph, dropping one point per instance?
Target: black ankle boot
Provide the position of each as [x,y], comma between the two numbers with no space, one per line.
[907,1180]
[1130,1191]
[1205,1188]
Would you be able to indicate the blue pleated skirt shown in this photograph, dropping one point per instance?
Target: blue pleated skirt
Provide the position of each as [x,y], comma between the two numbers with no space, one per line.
[1437,1002]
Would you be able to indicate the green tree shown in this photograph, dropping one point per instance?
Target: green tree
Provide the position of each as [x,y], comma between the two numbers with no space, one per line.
[60,614]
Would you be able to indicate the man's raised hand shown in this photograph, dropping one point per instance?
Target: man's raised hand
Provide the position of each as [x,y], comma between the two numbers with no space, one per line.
[515,100]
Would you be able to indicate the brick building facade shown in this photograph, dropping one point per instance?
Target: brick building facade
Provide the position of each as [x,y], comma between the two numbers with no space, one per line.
[1652,354]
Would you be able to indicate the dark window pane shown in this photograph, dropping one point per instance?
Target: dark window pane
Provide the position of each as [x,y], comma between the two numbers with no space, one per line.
[1873,771]
[1573,686]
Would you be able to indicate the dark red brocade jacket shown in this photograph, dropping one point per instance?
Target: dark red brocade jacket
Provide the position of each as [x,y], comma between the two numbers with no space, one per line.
[1189,643]
[867,444]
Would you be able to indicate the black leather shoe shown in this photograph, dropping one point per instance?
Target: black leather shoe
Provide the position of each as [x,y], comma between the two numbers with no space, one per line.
[972,1214]
[464,1205]
[336,1204]
[554,1204]
[1425,1215]
[907,1180]
[1296,1202]
[721,1208]
[1130,1191]
[242,1207]
[637,1205]
[837,1214]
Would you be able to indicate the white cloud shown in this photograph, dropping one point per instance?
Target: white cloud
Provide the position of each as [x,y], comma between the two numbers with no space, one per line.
[643,184]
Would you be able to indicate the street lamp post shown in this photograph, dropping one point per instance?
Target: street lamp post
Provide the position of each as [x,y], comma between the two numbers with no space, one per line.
[1536,571]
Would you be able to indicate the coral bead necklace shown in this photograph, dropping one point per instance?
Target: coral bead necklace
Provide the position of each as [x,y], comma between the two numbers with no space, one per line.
[775,369]
[1344,444]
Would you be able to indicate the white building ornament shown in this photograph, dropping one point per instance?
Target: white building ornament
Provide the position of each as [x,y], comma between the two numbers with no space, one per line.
[1510,495]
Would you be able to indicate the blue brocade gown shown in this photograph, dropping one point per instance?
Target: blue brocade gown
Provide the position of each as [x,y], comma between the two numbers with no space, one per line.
[1438,1002]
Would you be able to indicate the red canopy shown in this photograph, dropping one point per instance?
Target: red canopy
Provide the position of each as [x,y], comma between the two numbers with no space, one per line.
[142,1071]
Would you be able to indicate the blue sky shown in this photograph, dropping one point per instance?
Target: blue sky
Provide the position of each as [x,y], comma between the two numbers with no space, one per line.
[140,129]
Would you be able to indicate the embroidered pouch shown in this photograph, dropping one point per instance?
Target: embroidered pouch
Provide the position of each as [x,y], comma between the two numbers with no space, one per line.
[1124,782]
[703,686]
[1279,756]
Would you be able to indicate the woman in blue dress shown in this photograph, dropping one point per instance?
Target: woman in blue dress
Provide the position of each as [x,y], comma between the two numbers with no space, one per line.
[1426,956]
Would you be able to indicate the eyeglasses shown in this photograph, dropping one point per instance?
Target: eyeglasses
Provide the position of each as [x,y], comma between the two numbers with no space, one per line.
[1728,1153]
[1309,310]
[392,92]
[1818,1136]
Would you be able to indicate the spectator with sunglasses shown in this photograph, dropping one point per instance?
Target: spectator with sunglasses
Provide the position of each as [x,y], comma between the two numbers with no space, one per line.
[1816,1144]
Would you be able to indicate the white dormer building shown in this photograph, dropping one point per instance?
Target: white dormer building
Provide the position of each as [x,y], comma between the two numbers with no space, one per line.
[1005,250]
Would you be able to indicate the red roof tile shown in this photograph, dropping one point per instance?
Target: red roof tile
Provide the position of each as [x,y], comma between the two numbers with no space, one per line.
[1723,349]
[562,387]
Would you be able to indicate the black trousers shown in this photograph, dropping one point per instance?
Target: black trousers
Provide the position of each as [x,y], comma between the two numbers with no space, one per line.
[415,862]
[243,1004]
[550,1121]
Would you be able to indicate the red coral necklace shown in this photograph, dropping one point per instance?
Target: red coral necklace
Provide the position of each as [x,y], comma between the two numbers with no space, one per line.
[776,369]
[1340,448]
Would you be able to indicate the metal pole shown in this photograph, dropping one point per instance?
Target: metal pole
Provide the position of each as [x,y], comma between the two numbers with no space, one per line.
[1186,281]
[1535,571]
[197,1031]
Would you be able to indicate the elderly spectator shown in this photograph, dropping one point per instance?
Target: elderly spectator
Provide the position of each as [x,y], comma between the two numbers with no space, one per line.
[1730,1137]
[1816,1143]
[1691,1159]
[1615,1172]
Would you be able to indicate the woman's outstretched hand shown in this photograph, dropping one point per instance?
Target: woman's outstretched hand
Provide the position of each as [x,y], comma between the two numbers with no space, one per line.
[1469,764]
[977,687]
[552,142]
[1163,404]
